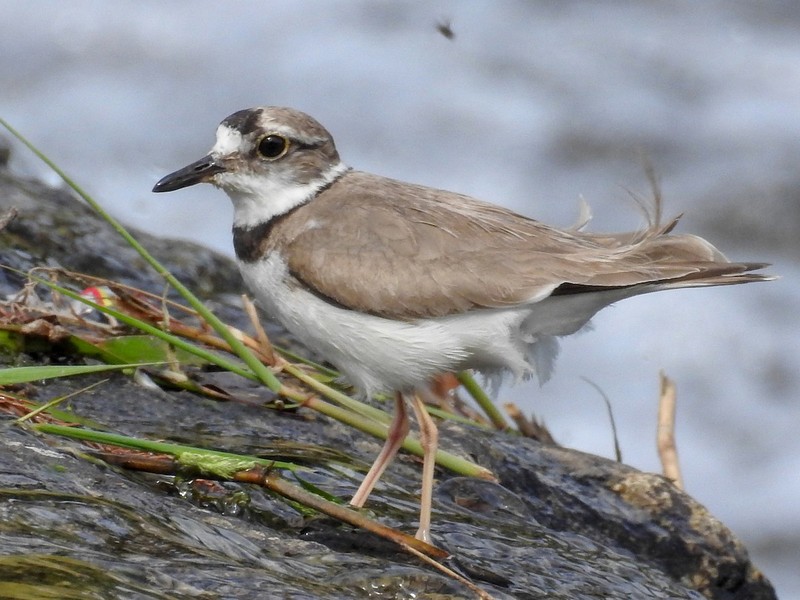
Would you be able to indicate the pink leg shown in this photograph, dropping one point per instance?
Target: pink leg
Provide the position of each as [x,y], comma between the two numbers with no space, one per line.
[429,438]
[398,430]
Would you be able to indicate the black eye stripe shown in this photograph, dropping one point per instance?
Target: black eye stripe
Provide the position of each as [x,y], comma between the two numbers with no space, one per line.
[307,146]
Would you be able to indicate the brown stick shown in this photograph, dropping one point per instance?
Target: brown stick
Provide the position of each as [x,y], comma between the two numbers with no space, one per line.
[667,450]
[275,483]
[263,341]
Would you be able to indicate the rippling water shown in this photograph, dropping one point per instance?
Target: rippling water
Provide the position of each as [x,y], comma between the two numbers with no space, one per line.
[531,105]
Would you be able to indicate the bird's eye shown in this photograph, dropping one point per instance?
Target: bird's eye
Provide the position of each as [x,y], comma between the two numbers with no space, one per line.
[273,146]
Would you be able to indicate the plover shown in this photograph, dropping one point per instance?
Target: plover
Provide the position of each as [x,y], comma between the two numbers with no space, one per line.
[395,283]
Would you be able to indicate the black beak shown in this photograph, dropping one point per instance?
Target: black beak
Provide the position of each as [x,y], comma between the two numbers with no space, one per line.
[197,172]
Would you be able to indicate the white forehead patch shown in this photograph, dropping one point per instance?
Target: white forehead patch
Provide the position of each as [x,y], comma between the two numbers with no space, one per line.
[228,141]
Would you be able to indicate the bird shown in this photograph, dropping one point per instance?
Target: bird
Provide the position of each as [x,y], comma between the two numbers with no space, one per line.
[396,283]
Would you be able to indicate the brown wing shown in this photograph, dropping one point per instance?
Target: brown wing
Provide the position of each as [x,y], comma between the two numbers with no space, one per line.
[432,253]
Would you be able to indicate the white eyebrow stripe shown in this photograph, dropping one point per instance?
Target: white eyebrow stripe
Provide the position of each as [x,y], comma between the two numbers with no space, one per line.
[229,140]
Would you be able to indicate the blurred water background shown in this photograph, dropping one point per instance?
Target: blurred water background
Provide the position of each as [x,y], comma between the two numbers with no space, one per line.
[532,105]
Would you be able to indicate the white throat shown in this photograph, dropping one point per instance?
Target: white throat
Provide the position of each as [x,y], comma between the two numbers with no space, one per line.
[257,199]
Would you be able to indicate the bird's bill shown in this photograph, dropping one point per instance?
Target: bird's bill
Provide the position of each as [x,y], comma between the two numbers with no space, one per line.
[198,172]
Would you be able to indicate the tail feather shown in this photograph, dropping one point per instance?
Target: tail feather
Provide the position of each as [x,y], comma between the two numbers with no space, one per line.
[671,276]
[725,274]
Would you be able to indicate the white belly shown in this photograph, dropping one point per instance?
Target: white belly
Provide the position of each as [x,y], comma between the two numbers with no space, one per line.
[378,354]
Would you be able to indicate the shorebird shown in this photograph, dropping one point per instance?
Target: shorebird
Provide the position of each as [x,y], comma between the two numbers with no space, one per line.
[395,283]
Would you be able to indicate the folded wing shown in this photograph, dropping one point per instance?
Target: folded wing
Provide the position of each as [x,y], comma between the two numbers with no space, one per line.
[429,253]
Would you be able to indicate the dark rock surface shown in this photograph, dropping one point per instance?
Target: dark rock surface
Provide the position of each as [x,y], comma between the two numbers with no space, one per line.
[561,524]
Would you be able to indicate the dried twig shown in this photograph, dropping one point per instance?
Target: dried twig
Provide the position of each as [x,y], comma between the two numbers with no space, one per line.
[264,345]
[530,427]
[617,449]
[667,450]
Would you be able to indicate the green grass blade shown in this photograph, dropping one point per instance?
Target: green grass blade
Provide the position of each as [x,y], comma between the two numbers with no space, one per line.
[15,375]
[48,407]
[208,461]
[466,379]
